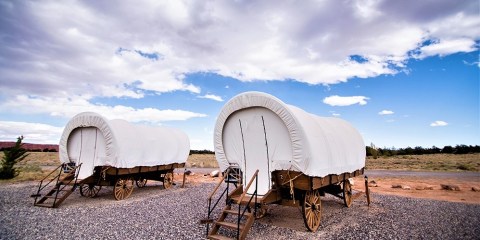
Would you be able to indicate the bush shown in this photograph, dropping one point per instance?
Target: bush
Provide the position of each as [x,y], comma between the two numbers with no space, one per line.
[10,157]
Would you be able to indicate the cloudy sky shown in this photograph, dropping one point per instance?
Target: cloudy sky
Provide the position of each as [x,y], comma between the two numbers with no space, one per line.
[404,73]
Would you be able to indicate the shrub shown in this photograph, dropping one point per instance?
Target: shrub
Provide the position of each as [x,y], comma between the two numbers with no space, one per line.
[10,157]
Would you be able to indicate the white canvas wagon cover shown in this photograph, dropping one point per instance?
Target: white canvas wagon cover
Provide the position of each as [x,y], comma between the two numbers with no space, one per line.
[258,131]
[92,140]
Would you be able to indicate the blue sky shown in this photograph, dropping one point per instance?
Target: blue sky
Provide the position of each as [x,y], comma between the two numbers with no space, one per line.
[404,73]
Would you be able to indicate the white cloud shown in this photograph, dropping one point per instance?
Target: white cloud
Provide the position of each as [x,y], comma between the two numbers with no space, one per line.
[385,112]
[438,124]
[446,47]
[68,107]
[32,132]
[336,100]
[97,49]
[212,97]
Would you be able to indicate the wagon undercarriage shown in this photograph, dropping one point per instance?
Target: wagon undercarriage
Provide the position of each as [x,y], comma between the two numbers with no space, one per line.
[63,181]
[290,188]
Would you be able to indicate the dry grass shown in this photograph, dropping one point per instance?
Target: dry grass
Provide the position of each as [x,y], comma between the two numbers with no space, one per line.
[202,161]
[428,162]
[35,166]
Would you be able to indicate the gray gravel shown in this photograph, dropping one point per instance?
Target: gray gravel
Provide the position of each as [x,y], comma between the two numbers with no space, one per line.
[156,213]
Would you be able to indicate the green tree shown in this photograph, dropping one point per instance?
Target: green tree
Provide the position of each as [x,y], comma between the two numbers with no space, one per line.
[10,157]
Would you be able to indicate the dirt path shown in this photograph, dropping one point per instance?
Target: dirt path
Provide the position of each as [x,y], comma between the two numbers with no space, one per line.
[420,182]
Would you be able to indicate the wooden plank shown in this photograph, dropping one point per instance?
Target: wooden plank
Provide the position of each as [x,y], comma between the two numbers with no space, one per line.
[304,182]
[318,182]
[272,196]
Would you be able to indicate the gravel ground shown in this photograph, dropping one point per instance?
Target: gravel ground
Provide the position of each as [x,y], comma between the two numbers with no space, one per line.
[156,213]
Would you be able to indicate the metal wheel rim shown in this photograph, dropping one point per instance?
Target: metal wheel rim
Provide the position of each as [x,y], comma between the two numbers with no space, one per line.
[312,210]
[123,188]
[89,190]
[347,193]
[141,182]
[167,180]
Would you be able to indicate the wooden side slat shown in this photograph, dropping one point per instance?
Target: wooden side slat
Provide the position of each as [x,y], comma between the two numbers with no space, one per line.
[304,182]
[143,169]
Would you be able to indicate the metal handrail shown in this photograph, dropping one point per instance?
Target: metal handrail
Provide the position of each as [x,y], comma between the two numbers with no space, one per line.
[75,175]
[219,183]
[40,187]
[210,208]
[240,216]
[248,186]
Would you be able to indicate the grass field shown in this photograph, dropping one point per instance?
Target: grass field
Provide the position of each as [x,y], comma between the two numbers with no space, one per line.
[427,162]
[38,164]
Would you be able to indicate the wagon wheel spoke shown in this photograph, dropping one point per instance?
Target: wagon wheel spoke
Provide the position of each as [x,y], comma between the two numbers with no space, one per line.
[347,193]
[312,210]
[141,182]
[168,180]
[89,190]
[123,188]
[83,190]
[118,189]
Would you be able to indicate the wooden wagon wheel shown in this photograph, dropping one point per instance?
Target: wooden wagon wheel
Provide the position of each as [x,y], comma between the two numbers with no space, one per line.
[312,210]
[141,182]
[168,180]
[347,193]
[89,190]
[123,188]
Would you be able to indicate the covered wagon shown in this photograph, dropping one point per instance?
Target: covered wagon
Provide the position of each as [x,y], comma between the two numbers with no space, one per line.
[292,156]
[98,152]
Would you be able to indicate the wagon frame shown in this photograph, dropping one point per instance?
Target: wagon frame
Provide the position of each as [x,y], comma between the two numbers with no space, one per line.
[290,188]
[293,188]
[122,179]
[54,188]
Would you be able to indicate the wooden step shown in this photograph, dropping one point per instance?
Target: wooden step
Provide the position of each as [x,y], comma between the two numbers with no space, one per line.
[53,196]
[235,212]
[230,225]
[246,198]
[49,205]
[219,237]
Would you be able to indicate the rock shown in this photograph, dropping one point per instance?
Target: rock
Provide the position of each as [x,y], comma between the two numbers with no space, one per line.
[215,173]
[188,172]
[475,189]
[405,187]
[396,186]
[429,188]
[450,187]
[372,184]
[419,188]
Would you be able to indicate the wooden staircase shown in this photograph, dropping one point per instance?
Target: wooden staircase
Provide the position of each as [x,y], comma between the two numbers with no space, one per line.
[64,183]
[238,214]
[240,223]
